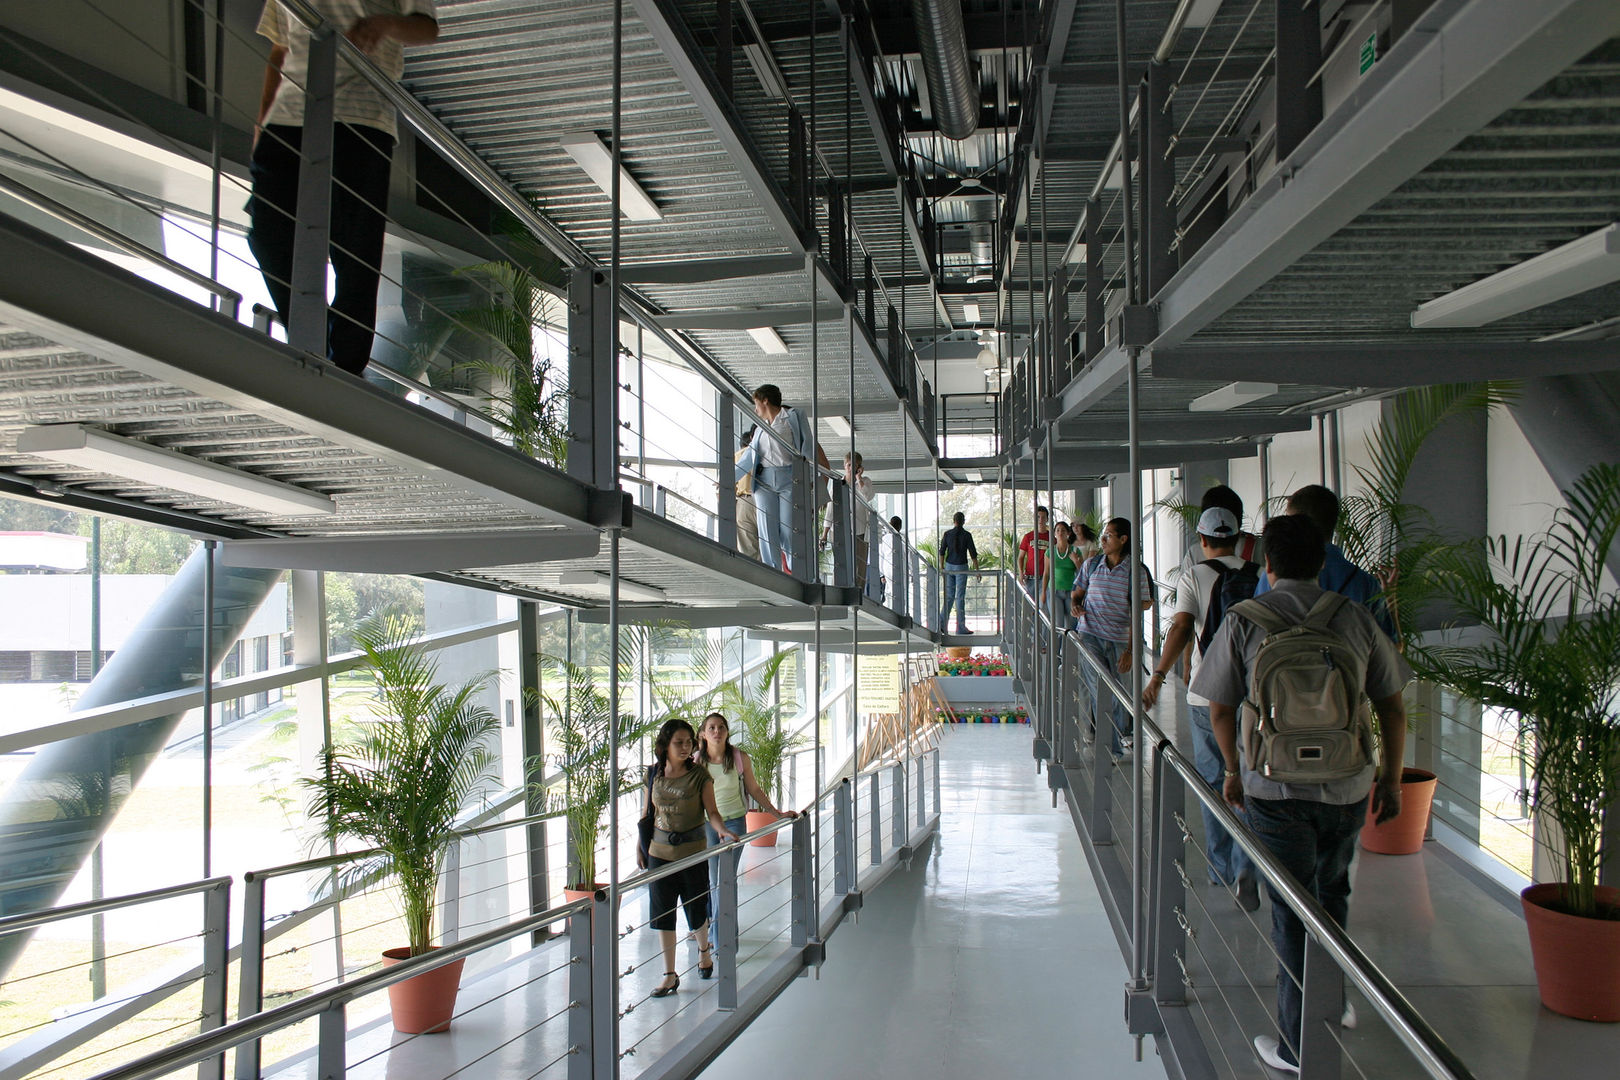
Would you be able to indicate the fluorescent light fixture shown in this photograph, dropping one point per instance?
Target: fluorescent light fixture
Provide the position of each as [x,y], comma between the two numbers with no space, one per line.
[1563,272]
[769,340]
[974,475]
[971,312]
[591,154]
[1232,395]
[595,579]
[839,425]
[1077,254]
[102,452]
[1202,13]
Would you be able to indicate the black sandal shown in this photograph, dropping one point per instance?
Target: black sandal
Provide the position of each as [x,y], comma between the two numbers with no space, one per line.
[665,991]
[706,972]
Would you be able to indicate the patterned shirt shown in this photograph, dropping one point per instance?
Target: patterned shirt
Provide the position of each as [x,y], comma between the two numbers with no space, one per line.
[355,100]
[1108,596]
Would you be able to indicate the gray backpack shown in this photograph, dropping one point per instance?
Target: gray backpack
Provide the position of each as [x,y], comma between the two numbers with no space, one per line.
[1306,719]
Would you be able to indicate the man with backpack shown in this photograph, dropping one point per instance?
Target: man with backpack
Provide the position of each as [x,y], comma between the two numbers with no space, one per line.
[1300,665]
[1221,579]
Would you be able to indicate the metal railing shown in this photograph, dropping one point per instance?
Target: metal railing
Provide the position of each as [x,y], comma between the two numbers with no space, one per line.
[1191,957]
[845,842]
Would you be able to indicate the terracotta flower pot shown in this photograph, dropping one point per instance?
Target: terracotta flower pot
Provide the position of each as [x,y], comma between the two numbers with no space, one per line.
[426,1003]
[758,819]
[958,652]
[1577,959]
[1403,834]
[570,894]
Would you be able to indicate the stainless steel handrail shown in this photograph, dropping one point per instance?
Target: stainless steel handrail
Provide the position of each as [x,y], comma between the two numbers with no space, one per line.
[209,1044]
[231,300]
[29,919]
[649,876]
[1410,1027]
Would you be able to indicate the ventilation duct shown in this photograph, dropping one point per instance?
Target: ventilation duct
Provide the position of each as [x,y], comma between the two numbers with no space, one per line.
[951,86]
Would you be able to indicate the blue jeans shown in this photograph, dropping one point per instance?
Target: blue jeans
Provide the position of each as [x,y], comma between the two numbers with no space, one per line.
[955,593]
[1315,841]
[737,826]
[1061,619]
[773,506]
[1108,652]
[1226,859]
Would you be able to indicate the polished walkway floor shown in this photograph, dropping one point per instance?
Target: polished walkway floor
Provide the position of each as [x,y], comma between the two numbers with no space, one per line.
[990,956]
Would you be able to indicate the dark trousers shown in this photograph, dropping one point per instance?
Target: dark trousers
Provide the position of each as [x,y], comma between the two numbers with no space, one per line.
[360,166]
[688,889]
[1315,841]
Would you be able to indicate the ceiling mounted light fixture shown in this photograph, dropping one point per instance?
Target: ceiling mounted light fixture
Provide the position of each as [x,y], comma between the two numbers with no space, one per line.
[591,154]
[103,452]
[840,426]
[970,312]
[768,340]
[1579,265]
[1232,395]
[598,581]
[987,359]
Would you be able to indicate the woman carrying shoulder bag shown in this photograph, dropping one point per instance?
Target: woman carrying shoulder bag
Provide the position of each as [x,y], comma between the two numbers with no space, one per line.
[679,799]
[732,773]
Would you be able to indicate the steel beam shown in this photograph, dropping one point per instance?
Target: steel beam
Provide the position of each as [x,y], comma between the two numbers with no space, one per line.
[704,271]
[745,318]
[1411,362]
[412,553]
[1464,63]
[674,40]
[703,618]
[1180,427]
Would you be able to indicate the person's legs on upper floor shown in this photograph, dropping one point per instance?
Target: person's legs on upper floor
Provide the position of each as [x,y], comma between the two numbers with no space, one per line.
[361,159]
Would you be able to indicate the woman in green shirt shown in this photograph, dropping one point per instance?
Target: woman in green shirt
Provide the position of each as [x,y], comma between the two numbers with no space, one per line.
[1064,564]
[732,772]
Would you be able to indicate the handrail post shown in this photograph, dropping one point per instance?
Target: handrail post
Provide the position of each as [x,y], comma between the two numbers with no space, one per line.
[1321,1005]
[1102,796]
[603,1013]
[897,827]
[216,970]
[800,929]
[725,937]
[334,1037]
[876,803]
[843,840]
[935,754]
[450,884]
[1169,890]
[922,792]
[250,980]
[581,996]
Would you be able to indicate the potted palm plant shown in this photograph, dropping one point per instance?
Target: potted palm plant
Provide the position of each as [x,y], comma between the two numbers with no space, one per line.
[398,786]
[1551,655]
[766,735]
[582,733]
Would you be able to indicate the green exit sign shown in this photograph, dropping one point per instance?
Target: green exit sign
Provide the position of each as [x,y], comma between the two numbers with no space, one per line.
[1369,52]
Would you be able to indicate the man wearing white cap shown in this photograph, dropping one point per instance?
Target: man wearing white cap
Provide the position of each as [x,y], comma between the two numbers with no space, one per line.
[1217,582]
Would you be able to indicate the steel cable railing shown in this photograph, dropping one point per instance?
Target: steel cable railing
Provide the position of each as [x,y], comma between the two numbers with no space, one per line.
[1169,781]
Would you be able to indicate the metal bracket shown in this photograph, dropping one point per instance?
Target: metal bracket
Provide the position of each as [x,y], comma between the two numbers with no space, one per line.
[1137,326]
[853,900]
[815,953]
[1142,1012]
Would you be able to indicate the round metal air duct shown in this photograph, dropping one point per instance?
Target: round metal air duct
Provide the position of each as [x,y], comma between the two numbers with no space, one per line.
[951,85]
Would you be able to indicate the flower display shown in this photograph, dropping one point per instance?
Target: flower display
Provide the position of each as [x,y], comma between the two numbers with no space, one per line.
[1015,715]
[977,664]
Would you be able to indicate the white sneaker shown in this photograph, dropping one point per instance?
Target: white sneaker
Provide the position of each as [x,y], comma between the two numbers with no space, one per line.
[1266,1046]
[1348,1018]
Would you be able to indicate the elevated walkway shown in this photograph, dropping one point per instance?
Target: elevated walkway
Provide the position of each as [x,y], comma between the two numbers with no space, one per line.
[990,955]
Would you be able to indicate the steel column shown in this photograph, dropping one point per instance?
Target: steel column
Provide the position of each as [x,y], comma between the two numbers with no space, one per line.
[725,443]
[843,840]
[216,971]
[581,994]
[333,1035]
[725,933]
[1322,1005]
[534,748]
[800,931]
[1298,90]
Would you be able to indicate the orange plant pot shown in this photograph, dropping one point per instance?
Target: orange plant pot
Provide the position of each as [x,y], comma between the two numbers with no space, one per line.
[958,652]
[424,1004]
[1577,959]
[758,819]
[1403,834]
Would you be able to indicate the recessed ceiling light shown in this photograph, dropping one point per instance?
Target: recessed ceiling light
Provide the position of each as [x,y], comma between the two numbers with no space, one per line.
[103,452]
[598,581]
[768,339]
[1563,272]
[840,426]
[592,155]
[1232,395]
[971,312]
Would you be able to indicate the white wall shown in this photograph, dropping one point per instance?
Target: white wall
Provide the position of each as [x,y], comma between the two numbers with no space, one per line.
[58,607]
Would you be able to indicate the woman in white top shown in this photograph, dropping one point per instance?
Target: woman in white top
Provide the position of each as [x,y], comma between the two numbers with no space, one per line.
[733,775]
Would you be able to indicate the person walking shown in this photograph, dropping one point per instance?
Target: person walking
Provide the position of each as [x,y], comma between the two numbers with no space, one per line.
[1102,600]
[679,797]
[1066,563]
[1306,807]
[775,487]
[747,517]
[1203,597]
[364,130]
[957,551]
[1338,573]
[1032,553]
[732,773]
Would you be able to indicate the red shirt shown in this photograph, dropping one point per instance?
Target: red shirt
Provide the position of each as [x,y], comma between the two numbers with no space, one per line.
[1033,548]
